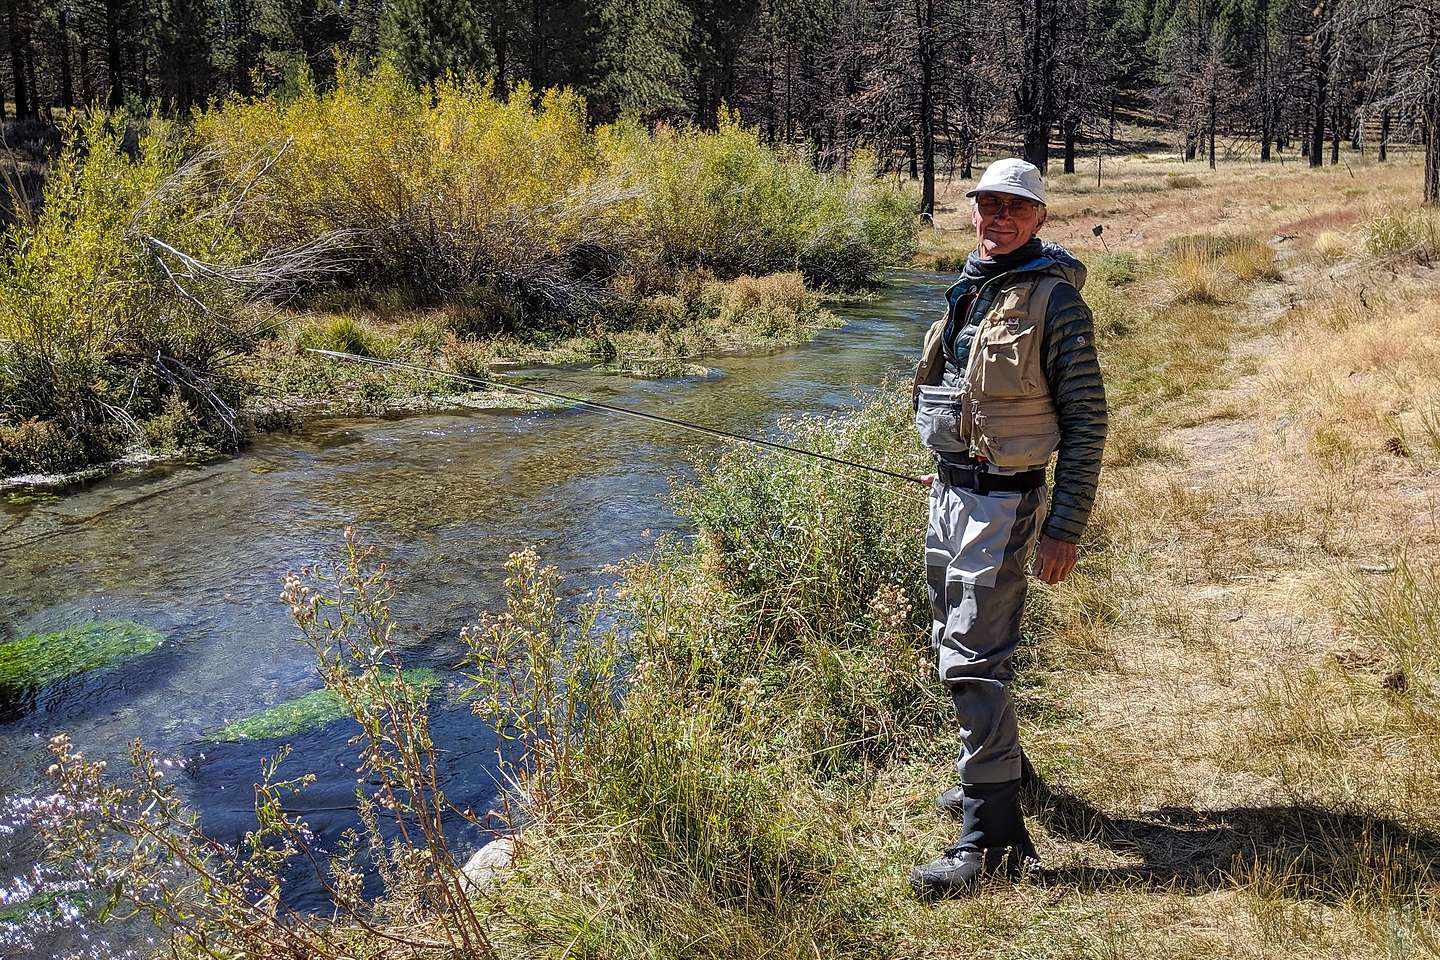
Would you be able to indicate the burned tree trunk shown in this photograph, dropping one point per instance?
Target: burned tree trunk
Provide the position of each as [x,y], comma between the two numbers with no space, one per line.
[1034,99]
[1321,74]
[113,60]
[17,62]
[1432,146]
[925,20]
[1072,126]
[67,81]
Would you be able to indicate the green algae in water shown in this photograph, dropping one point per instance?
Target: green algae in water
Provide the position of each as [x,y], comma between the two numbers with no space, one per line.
[30,499]
[43,659]
[309,711]
[42,906]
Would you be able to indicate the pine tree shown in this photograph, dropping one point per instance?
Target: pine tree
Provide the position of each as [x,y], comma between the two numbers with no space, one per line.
[641,59]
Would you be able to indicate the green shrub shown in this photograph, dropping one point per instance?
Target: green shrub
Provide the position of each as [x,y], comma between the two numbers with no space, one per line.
[346,334]
[1112,269]
[821,569]
[39,446]
[727,202]
[177,428]
[449,187]
[104,315]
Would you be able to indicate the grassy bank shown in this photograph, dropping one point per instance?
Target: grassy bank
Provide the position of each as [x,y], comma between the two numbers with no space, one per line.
[161,297]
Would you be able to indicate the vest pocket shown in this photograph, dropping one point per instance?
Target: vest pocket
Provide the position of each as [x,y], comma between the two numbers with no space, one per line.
[939,418]
[1005,358]
[1019,437]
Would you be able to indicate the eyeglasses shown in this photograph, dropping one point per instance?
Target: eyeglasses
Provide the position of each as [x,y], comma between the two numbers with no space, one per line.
[1016,206]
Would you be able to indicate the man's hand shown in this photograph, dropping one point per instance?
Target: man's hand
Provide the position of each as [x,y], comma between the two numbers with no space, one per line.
[1054,559]
[928,479]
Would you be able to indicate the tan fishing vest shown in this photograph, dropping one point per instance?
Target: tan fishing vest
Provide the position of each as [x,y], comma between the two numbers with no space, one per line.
[1004,409]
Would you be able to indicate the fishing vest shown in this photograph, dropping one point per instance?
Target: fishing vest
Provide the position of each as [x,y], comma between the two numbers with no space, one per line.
[1002,412]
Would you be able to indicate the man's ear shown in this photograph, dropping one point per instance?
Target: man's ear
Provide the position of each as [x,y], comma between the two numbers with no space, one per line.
[1043,214]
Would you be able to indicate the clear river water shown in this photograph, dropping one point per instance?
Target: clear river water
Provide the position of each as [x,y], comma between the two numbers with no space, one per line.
[200,553]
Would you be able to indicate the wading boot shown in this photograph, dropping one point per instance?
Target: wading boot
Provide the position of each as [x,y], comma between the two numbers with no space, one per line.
[993,839]
[956,872]
[952,801]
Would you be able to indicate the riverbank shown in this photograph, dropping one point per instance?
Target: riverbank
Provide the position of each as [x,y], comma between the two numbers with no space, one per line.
[158,301]
[282,387]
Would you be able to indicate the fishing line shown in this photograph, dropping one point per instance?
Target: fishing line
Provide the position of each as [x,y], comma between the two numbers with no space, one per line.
[825,458]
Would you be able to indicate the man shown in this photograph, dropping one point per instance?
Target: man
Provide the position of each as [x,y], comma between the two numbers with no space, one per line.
[1008,376]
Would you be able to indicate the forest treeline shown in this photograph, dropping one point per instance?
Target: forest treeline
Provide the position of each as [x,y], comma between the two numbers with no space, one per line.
[929,84]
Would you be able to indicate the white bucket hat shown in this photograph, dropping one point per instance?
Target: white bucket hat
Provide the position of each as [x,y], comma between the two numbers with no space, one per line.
[1012,176]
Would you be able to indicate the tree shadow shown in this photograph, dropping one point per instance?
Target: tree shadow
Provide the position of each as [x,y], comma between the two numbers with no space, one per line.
[1302,850]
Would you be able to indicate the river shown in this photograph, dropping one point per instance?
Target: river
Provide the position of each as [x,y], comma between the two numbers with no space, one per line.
[199,552]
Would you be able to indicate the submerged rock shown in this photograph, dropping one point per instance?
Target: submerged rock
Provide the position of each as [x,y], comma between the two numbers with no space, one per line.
[33,664]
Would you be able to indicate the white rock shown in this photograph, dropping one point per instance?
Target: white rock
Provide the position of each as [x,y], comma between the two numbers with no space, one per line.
[488,861]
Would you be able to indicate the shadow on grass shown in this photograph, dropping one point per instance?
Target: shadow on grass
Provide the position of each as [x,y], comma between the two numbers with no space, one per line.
[1302,850]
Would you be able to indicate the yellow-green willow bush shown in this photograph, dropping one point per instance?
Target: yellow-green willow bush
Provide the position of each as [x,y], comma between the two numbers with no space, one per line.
[445,186]
[95,336]
[450,187]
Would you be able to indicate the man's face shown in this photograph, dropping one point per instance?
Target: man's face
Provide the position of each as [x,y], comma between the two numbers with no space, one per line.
[1004,223]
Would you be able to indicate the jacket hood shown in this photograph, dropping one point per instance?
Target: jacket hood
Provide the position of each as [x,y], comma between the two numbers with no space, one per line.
[1061,263]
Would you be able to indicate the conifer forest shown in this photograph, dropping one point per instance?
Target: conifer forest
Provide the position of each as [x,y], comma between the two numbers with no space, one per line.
[929,83]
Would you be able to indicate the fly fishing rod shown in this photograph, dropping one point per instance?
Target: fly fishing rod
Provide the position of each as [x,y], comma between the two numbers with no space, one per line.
[622,411]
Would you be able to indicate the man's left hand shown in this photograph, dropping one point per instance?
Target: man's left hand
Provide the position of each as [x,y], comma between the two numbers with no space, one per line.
[1054,559]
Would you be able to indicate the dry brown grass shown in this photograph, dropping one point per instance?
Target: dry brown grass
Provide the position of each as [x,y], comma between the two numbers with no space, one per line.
[1140,210]
[1196,276]
[1237,698]
[1330,246]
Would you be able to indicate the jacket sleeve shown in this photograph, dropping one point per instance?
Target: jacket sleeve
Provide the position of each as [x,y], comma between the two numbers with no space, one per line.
[1072,369]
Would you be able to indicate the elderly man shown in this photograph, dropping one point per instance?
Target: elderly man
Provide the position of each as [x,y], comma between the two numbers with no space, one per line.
[1008,376]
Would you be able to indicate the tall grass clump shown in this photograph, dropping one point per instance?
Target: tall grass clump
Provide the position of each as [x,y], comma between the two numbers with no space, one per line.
[1205,266]
[121,298]
[1399,615]
[1403,231]
[1195,274]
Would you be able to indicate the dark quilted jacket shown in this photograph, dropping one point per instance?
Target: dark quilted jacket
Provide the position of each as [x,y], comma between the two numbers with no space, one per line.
[1072,370]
